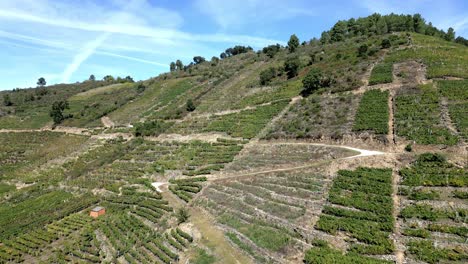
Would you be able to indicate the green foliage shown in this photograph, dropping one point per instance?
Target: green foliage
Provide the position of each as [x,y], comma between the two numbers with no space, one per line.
[246,123]
[460,194]
[456,230]
[263,236]
[7,100]
[190,106]
[432,170]
[427,212]
[442,58]
[409,148]
[236,50]
[422,194]
[41,82]
[4,188]
[291,66]
[417,118]
[312,81]
[316,117]
[370,191]
[21,153]
[293,43]
[323,254]
[203,257]
[31,107]
[267,75]
[152,128]
[454,90]
[424,250]
[417,232]
[385,44]
[57,111]
[185,189]
[271,50]
[381,73]
[182,215]
[198,59]
[362,50]
[377,24]
[373,113]
[39,211]
[459,116]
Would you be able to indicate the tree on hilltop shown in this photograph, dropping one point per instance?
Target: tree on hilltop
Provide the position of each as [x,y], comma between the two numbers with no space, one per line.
[179,65]
[198,59]
[41,82]
[293,43]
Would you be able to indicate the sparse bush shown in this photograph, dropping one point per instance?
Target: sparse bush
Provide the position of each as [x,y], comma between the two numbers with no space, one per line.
[267,75]
[291,66]
[182,215]
[409,148]
[190,106]
[385,44]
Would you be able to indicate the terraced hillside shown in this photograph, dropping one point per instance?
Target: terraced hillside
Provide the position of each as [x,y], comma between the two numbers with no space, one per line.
[243,160]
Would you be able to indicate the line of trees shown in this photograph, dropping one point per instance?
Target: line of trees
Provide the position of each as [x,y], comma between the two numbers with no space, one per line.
[377,24]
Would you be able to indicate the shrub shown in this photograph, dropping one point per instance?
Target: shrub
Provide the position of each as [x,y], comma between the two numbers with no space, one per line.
[182,215]
[312,81]
[267,75]
[386,44]
[190,106]
[408,148]
[153,128]
[291,66]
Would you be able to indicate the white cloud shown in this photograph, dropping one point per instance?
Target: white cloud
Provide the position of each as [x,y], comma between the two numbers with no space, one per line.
[131,30]
[234,14]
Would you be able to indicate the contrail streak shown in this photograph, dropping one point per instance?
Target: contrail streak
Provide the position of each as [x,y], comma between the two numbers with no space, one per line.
[79,58]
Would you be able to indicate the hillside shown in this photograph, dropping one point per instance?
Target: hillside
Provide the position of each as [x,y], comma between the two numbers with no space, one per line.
[350,148]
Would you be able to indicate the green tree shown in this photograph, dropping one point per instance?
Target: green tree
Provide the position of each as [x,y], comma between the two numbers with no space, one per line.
[182,215]
[271,50]
[338,32]
[291,66]
[450,36]
[198,59]
[362,50]
[179,65]
[293,43]
[267,75]
[57,111]
[172,66]
[223,55]
[385,44]
[109,78]
[190,106]
[214,61]
[41,82]
[129,79]
[419,24]
[7,100]
[312,81]
[325,37]
[92,78]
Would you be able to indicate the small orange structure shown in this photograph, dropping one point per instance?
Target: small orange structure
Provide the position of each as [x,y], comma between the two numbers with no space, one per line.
[97,211]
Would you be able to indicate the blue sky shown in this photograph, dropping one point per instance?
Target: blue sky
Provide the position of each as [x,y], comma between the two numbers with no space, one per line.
[66,41]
